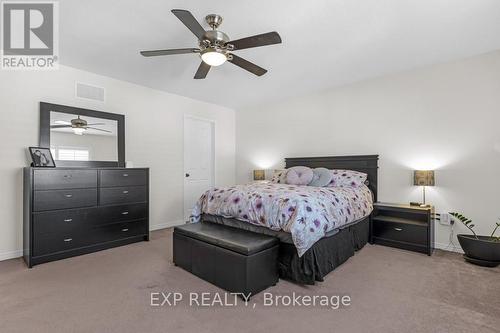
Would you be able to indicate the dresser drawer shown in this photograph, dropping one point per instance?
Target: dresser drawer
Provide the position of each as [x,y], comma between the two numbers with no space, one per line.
[57,179]
[400,232]
[64,241]
[121,230]
[123,177]
[122,195]
[52,243]
[65,220]
[64,199]
[119,213]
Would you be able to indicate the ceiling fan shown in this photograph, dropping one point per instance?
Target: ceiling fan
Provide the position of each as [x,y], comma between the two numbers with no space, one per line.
[215,47]
[78,125]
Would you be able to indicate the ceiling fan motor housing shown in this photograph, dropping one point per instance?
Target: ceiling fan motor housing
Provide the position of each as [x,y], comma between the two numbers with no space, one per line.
[214,20]
[215,41]
[78,122]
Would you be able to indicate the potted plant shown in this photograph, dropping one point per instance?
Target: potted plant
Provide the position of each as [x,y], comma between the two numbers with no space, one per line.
[479,250]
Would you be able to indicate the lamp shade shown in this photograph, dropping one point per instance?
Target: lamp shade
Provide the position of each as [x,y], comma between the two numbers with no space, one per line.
[259,175]
[423,178]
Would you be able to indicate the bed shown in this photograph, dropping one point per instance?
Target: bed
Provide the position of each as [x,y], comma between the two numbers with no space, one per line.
[306,260]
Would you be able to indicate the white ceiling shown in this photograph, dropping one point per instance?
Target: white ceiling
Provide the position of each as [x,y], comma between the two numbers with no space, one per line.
[326,43]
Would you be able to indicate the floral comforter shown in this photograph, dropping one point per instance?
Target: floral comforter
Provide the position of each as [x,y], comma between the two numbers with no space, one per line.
[307,212]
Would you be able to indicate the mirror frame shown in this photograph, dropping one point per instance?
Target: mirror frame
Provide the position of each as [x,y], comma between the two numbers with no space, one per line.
[46,108]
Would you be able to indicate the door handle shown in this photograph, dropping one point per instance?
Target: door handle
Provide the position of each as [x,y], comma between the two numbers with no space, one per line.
[124,230]
[398,229]
[125,175]
[68,240]
[68,220]
[124,213]
[187,175]
[69,195]
[125,192]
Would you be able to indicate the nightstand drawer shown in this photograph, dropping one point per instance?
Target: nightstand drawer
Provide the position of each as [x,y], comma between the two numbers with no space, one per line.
[400,232]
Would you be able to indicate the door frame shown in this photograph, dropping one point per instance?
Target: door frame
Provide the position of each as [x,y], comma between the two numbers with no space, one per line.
[213,127]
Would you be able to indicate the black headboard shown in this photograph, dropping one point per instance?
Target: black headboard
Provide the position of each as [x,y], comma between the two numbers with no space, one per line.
[363,163]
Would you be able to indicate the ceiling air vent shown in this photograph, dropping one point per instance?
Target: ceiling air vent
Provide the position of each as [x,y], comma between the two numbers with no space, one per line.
[89,92]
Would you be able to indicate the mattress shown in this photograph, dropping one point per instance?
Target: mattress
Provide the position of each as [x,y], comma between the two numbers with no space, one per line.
[305,213]
[284,237]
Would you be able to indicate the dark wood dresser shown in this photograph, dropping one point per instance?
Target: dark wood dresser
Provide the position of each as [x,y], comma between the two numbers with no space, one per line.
[73,211]
[403,226]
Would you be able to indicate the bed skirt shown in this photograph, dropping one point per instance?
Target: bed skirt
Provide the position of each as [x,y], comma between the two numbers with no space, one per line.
[323,257]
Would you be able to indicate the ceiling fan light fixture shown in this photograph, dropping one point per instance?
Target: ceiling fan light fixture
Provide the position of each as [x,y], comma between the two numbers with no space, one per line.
[213,57]
[78,130]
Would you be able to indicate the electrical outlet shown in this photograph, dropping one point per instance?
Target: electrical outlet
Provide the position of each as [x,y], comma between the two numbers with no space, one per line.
[445,219]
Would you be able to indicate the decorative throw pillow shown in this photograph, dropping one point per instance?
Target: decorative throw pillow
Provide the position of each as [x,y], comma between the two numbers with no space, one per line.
[299,175]
[321,177]
[347,178]
[279,176]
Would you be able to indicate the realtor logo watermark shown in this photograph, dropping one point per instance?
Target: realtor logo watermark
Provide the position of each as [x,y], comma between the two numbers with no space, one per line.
[30,35]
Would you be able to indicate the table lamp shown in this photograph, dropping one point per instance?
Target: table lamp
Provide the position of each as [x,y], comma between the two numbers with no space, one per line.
[423,178]
[259,175]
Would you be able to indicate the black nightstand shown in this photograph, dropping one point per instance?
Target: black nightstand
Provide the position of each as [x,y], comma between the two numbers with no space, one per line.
[403,226]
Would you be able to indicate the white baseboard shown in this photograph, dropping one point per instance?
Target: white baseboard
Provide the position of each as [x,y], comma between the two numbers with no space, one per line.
[447,247]
[165,225]
[11,255]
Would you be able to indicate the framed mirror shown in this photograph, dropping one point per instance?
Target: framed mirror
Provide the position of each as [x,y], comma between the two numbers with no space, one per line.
[81,137]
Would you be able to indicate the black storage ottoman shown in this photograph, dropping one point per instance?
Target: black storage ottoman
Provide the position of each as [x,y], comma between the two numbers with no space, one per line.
[236,260]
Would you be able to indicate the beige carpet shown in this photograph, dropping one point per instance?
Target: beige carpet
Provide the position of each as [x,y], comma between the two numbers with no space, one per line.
[391,291]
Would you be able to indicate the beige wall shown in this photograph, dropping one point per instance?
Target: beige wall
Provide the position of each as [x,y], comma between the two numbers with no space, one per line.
[154,138]
[445,117]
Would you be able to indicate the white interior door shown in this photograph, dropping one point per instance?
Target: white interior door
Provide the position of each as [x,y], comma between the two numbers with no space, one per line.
[199,160]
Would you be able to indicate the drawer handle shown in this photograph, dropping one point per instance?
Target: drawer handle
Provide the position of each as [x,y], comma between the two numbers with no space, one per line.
[68,195]
[125,175]
[124,213]
[124,230]
[68,220]
[398,229]
[68,239]
[125,192]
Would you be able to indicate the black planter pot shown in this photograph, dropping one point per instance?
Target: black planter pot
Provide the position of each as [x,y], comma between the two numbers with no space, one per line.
[483,251]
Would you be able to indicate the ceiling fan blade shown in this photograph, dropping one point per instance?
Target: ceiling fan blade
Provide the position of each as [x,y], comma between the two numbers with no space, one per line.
[60,126]
[155,53]
[190,22]
[98,129]
[257,40]
[247,65]
[202,71]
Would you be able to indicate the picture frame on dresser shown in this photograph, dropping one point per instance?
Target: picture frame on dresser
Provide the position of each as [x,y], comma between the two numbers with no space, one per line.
[41,157]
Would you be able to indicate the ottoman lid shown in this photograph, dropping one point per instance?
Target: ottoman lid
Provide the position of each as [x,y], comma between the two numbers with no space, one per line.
[234,239]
